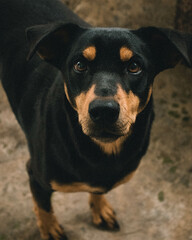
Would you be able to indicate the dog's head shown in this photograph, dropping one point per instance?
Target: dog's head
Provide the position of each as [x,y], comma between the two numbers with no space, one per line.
[108,72]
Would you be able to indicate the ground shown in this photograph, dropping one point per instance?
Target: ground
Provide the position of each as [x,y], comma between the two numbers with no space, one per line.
[155,205]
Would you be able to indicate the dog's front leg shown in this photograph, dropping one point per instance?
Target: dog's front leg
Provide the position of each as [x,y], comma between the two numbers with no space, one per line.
[102,212]
[46,220]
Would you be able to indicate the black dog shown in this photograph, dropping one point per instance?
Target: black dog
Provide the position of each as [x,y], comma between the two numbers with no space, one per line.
[86,110]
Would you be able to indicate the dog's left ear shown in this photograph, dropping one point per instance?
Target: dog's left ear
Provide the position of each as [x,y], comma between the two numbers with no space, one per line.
[52,41]
[167,46]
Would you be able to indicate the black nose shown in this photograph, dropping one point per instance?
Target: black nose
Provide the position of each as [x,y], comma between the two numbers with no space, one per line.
[104,112]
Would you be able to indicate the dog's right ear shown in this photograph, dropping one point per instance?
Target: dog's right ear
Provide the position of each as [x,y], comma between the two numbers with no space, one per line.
[52,41]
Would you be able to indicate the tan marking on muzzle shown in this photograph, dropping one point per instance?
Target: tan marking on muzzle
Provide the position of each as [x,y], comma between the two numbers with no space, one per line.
[129,108]
[125,54]
[76,187]
[90,53]
[82,103]
[129,105]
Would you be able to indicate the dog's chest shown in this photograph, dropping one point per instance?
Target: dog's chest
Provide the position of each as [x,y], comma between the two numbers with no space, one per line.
[86,187]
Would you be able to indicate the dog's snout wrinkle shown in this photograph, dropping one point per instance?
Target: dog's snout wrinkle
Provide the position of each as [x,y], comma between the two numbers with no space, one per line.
[106,84]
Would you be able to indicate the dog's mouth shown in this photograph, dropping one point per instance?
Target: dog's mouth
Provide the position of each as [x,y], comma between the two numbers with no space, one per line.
[106,135]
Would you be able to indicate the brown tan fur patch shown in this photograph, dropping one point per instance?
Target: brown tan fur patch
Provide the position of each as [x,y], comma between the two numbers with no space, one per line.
[67,96]
[82,103]
[47,223]
[76,187]
[113,147]
[101,209]
[129,108]
[90,53]
[125,54]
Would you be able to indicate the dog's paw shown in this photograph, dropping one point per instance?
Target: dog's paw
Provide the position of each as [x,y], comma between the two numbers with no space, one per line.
[48,225]
[103,215]
[110,225]
[55,232]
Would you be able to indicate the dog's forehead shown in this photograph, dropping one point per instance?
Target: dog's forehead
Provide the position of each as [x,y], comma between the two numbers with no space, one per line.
[108,33]
[110,39]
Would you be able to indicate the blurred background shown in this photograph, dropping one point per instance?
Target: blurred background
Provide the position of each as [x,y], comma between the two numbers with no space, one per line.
[157,203]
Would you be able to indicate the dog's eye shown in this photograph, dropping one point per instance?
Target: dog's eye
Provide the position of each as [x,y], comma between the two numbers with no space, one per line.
[80,67]
[134,68]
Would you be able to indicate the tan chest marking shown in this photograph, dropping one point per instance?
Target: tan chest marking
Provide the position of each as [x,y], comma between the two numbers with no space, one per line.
[90,53]
[76,187]
[111,148]
[83,187]
[125,54]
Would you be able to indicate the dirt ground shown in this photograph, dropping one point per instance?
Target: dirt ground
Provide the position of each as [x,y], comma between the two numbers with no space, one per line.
[157,203]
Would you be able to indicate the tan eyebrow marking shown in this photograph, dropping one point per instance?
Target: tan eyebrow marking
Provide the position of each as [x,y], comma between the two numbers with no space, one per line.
[125,54]
[90,53]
